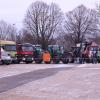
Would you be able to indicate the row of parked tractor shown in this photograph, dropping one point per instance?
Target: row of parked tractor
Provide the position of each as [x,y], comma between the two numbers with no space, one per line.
[10,52]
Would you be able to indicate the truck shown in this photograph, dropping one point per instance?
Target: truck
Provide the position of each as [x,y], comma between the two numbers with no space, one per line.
[25,53]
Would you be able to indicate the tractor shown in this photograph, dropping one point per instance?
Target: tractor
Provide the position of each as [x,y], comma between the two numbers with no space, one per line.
[38,54]
[53,54]
[85,52]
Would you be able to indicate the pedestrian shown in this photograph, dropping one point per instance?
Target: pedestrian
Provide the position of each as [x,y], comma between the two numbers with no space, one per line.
[94,56]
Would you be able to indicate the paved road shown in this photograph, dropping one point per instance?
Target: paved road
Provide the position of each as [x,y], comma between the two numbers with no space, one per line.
[11,82]
[51,82]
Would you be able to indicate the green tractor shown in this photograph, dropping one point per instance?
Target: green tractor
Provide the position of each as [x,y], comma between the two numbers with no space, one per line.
[38,54]
[56,53]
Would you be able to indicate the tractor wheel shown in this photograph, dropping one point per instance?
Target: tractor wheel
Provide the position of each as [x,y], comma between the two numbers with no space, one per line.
[56,60]
[87,60]
[47,62]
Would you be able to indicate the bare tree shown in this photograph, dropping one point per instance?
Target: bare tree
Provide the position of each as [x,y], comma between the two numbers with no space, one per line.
[7,31]
[98,18]
[42,21]
[81,22]
[26,37]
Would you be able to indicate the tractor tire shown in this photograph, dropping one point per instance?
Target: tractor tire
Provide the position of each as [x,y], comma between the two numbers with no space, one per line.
[47,62]
[56,61]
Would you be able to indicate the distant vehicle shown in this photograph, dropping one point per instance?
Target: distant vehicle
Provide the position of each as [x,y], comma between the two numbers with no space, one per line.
[4,57]
[38,54]
[10,48]
[85,53]
[25,53]
[56,52]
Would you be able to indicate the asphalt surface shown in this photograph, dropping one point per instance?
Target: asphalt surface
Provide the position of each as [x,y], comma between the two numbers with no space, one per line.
[12,82]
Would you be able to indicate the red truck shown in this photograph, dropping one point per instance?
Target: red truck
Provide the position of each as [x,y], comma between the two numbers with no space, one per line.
[25,53]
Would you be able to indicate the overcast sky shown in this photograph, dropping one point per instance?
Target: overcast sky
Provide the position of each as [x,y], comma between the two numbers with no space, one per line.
[13,11]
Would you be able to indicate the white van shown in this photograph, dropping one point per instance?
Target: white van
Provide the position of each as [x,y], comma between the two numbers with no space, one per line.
[5,57]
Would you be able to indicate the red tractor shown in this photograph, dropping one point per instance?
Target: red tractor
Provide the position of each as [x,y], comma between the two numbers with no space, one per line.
[25,53]
[90,52]
[85,52]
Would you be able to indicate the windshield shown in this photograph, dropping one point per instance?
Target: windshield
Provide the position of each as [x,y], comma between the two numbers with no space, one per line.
[27,48]
[10,47]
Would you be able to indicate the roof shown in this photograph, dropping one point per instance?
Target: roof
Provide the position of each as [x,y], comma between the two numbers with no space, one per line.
[3,42]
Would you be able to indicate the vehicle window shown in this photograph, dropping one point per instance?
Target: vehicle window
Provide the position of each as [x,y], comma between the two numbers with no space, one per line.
[10,47]
[27,48]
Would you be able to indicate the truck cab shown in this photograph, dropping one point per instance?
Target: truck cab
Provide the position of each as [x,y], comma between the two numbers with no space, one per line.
[25,53]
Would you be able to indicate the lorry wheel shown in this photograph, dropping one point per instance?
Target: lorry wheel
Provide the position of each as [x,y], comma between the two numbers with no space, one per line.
[65,61]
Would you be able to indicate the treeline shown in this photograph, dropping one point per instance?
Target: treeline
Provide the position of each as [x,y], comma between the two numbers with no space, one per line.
[46,24]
